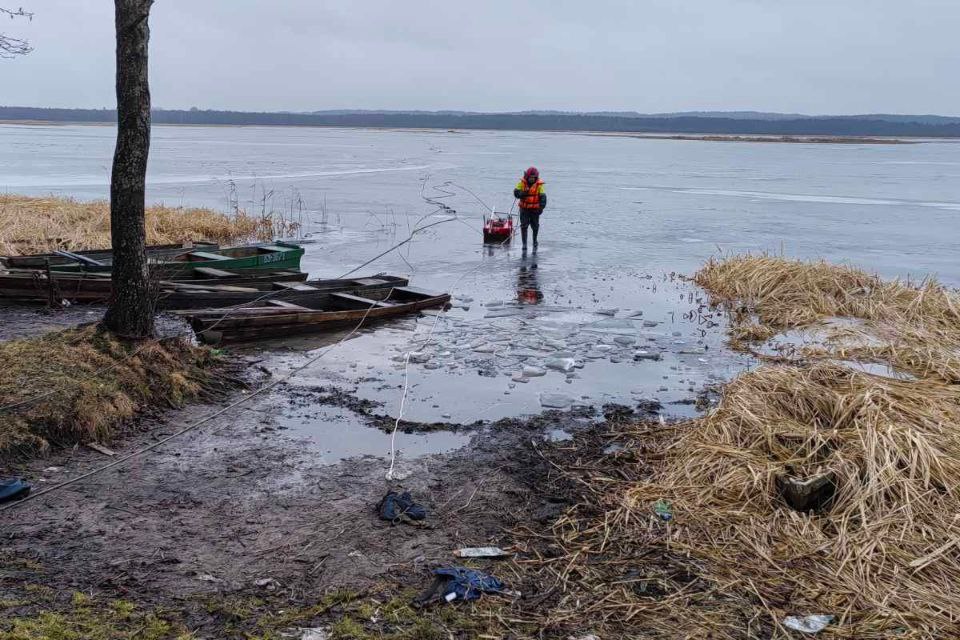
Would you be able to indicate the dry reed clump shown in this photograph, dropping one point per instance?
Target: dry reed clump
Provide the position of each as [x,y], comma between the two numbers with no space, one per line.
[35,225]
[98,383]
[913,327]
[882,553]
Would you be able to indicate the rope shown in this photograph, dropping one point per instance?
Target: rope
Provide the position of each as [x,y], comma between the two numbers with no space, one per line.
[260,390]
[406,361]
[230,311]
[193,426]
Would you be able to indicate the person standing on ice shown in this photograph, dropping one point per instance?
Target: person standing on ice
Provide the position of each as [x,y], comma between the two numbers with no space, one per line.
[533,199]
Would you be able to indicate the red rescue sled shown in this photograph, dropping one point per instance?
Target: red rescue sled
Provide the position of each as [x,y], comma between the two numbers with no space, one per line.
[497,230]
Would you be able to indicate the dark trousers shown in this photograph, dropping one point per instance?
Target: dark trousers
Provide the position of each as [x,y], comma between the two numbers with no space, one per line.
[529,218]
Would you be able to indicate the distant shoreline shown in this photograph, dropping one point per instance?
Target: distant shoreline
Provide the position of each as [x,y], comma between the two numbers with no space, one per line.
[770,138]
[759,138]
[694,127]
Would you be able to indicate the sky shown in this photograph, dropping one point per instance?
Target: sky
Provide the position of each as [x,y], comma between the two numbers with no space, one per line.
[795,56]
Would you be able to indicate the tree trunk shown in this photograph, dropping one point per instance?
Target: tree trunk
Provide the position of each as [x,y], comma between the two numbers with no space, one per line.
[130,313]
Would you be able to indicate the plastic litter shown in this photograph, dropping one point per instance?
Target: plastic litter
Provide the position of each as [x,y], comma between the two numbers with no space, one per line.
[400,507]
[482,552]
[663,510]
[808,624]
[13,489]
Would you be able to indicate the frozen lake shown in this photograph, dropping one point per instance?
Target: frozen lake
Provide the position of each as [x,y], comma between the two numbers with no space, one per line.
[613,201]
[624,215]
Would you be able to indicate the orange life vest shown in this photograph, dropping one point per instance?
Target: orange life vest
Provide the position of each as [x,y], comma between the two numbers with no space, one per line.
[531,196]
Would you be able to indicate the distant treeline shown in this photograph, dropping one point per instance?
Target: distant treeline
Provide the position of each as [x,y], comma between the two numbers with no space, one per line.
[812,125]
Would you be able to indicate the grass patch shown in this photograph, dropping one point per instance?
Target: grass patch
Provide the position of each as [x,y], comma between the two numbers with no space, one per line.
[737,559]
[87,618]
[348,615]
[88,382]
[35,225]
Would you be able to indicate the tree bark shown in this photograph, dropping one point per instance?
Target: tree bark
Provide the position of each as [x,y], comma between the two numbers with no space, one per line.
[131,309]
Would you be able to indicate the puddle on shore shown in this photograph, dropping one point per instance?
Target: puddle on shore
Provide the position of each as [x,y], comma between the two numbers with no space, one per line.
[525,334]
[877,369]
[337,434]
[498,359]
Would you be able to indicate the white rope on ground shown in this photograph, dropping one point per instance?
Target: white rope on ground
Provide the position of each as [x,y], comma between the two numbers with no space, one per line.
[406,362]
[403,399]
[194,425]
[257,392]
[229,312]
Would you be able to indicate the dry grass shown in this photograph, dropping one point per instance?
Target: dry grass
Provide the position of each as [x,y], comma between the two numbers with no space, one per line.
[914,327]
[98,382]
[789,293]
[35,225]
[883,556]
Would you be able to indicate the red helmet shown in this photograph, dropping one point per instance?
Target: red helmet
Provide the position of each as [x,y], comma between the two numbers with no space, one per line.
[531,172]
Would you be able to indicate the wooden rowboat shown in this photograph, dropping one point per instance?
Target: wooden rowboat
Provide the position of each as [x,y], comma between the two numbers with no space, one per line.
[34,285]
[279,318]
[312,292]
[274,257]
[155,252]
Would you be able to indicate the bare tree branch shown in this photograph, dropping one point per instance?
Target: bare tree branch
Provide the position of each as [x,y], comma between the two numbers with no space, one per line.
[11,47]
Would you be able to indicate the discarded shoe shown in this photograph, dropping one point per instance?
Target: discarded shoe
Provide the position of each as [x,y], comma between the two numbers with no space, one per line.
[397,507]
[13,489]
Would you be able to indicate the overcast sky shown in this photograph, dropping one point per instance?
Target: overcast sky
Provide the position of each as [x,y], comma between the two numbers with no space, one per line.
[810,56]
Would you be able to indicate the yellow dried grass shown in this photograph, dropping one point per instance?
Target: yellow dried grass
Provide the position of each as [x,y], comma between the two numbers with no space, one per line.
[100,383]
[913,327]
[871,557]
[883,556]
[36,225]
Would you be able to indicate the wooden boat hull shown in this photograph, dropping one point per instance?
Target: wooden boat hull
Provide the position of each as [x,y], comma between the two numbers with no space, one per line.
[155,252]
[220,326]
[311,292]
[33,285]
[274,257]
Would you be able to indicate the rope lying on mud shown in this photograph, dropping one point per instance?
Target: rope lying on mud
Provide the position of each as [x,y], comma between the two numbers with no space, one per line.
[196,424]
[406,360]
[229,311]
[248,397]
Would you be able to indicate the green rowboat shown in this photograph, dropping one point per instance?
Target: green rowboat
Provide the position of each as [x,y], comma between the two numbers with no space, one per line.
[276,256]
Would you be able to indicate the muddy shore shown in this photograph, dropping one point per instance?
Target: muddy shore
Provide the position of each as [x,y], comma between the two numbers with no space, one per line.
[244,509]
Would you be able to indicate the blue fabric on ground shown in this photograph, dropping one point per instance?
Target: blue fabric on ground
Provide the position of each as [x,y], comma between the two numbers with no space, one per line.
[13,488]
[468,584]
